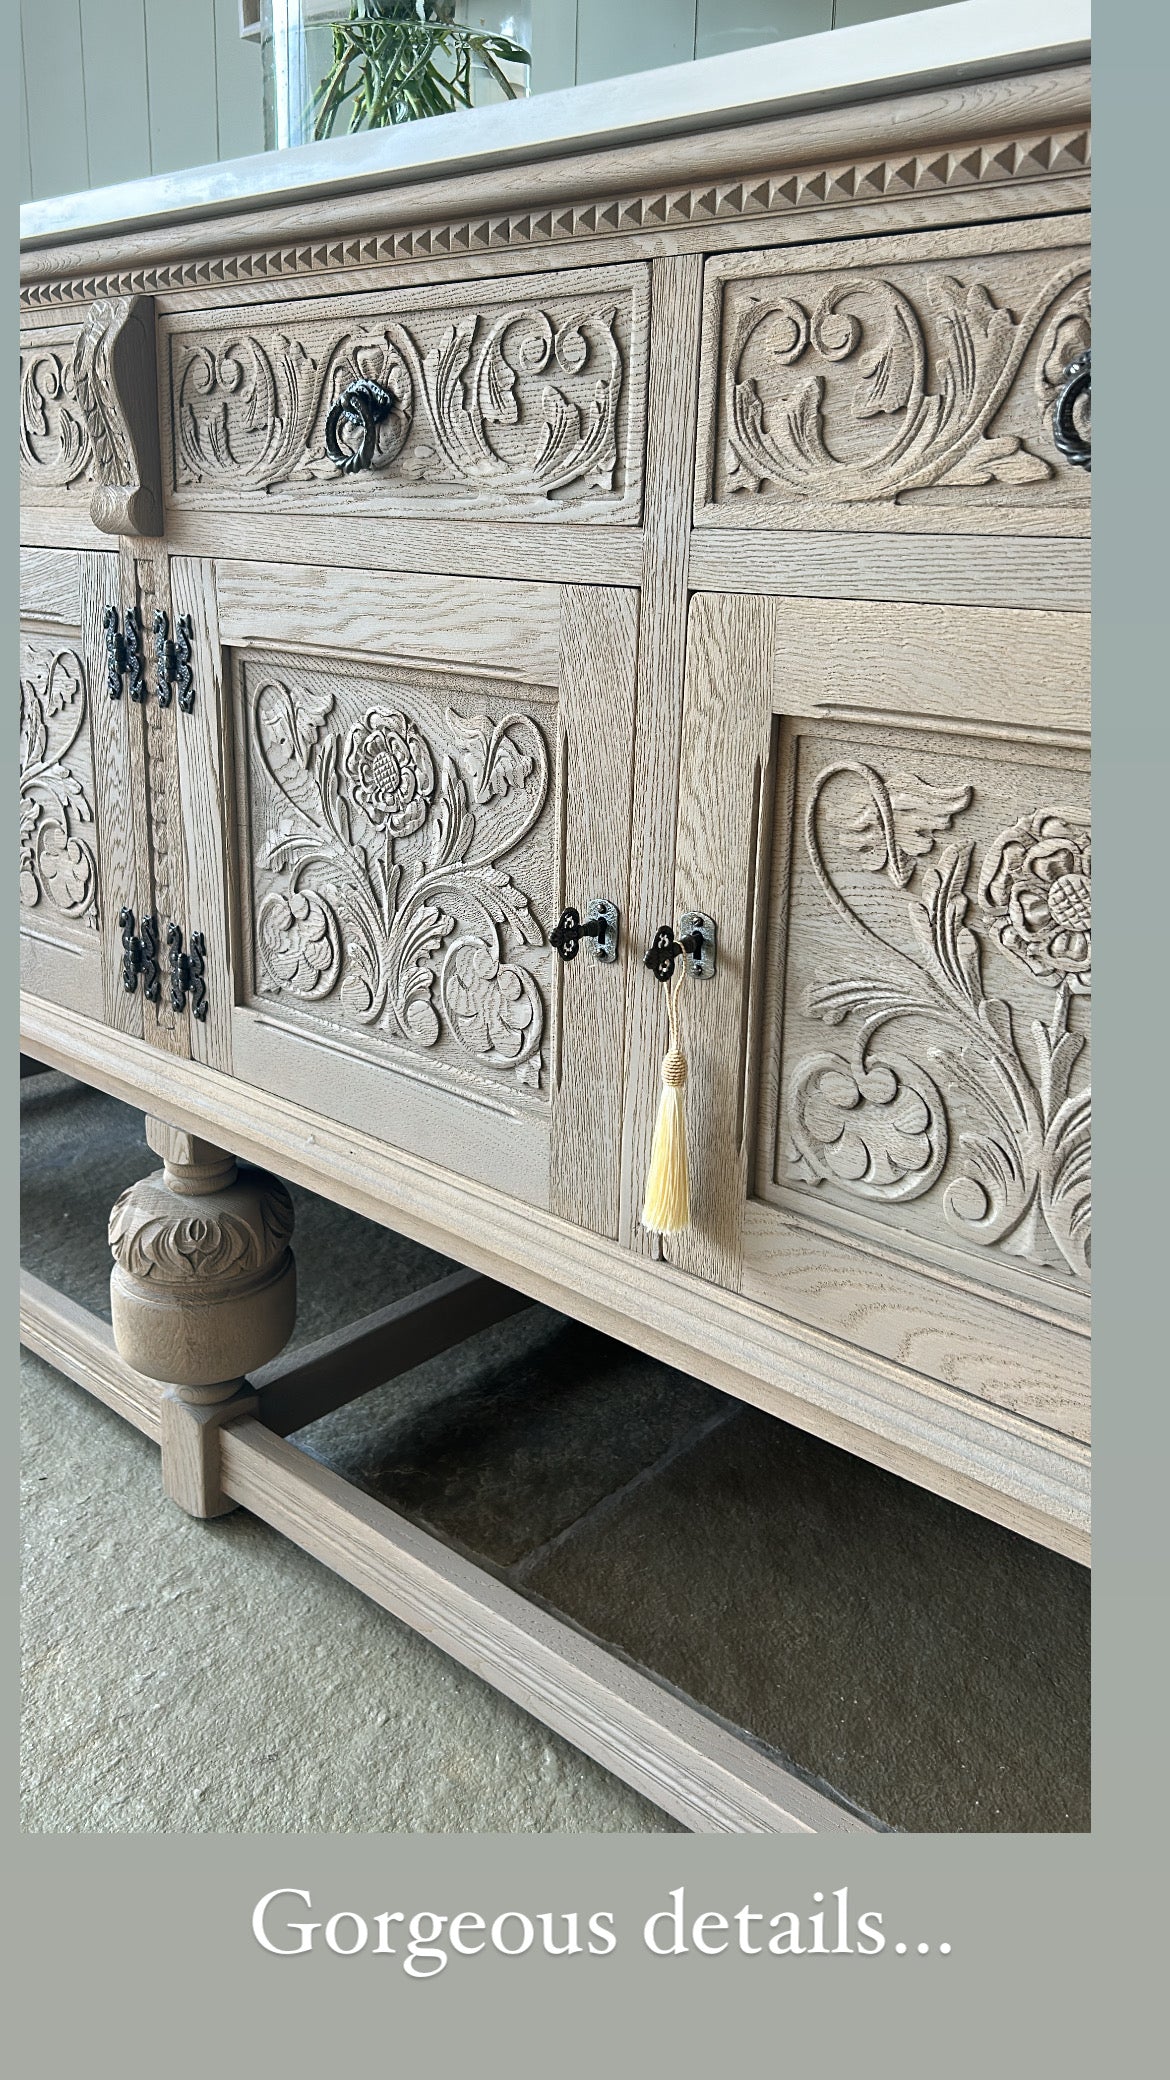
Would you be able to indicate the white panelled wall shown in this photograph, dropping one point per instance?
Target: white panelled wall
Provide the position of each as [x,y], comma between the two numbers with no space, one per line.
[114,89]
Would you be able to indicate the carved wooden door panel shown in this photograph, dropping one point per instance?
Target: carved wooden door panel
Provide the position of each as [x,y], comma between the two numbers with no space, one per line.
[886,810]
[69,936]
[414,775]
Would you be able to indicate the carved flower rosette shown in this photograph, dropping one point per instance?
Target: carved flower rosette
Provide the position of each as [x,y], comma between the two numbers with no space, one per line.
[942,1089]
[384,899]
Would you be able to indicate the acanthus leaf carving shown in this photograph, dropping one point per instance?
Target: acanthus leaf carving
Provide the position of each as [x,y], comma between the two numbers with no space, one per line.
[200,1244]
[381,881]
[521,401]
[938,365]
[874,1123]
[55,446]
[57,863]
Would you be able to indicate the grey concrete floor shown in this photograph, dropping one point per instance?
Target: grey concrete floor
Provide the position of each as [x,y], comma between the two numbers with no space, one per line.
[929,1666]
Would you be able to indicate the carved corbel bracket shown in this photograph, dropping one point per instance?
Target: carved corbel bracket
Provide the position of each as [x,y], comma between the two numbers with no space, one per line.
[114,375]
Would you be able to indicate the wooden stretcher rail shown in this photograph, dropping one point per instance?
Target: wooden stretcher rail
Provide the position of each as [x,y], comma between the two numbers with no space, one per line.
[703,1773]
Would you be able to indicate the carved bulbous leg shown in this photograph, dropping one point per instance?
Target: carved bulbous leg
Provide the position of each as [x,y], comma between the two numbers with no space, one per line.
[202,1291]
[203,1286]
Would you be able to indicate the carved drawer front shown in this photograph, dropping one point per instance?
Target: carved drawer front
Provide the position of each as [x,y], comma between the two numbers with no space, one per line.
[521,399]
[892,1088]
[906,384]
[412,807]
[57,462]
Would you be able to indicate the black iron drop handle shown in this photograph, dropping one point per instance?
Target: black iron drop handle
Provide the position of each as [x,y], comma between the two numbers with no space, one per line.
[1077,384]
[362,406]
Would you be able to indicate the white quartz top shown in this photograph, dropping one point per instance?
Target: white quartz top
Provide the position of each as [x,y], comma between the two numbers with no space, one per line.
[973,39]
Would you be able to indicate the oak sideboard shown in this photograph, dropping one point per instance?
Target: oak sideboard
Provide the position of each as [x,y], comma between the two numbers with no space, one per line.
[637,513]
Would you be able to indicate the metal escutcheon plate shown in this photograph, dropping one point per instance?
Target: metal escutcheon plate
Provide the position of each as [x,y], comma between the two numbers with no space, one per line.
[702,964]
[605,949]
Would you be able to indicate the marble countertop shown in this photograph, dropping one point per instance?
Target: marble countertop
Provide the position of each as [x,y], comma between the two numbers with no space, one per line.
[973,39]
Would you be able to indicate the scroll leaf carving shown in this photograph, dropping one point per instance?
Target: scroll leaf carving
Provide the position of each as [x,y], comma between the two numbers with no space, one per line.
[57,864]
[380,883]
[523,401]
[55,447]
[878,1125]
[114,380]
[935,360]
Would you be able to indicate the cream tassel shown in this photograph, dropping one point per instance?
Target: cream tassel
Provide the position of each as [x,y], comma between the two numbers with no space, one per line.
[667,1206]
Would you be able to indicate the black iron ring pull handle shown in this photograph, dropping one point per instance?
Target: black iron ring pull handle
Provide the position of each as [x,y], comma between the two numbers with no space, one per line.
[600,924]
[1077,384]
[362,406]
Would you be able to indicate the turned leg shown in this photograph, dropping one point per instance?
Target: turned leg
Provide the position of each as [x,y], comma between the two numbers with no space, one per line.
[203,1290]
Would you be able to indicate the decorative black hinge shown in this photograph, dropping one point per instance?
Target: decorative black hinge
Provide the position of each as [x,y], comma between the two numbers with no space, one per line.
[140,955]
[115,654]
[173,673]
[135,661]
[188,971]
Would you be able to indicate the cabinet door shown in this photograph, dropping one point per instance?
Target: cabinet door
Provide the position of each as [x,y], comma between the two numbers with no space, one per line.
[395,784]
[886,810]
[70,815]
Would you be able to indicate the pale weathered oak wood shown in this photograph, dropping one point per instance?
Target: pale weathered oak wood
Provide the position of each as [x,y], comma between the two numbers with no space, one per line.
[598,555]
[203,1285]
[965,570]
[599,653]
[898,384]
[683,1760]
[62,902]
[422,1008]
[115,383]
[1010,1469]
[302,1385]
[118,775]
[1006,1351]
[677,284]
[723,781]
[49,586]
[462,623]
[79,1344]
[790,382]
[191,1450]
[551,427]
[625,187]
[201,748]
[688,1762]
[951,667]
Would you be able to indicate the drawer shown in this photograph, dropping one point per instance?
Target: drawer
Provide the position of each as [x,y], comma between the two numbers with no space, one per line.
[57,462]
[508,399]
[904,384]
